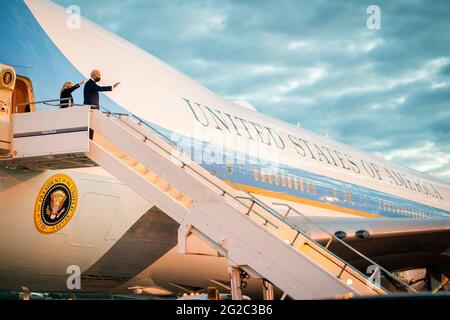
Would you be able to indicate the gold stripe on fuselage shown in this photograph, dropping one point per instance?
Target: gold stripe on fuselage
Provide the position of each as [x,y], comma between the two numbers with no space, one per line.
[309,202]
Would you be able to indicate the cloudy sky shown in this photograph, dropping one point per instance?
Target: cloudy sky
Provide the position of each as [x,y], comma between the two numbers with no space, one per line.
[316,63]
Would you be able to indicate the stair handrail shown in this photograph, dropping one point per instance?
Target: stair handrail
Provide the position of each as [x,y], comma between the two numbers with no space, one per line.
[334,237]
[255,200]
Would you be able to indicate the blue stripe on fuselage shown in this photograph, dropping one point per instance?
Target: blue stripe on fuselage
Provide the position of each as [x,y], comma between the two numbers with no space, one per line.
[247,171]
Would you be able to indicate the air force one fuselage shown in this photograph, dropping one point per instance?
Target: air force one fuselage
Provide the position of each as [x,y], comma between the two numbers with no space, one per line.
[398,217]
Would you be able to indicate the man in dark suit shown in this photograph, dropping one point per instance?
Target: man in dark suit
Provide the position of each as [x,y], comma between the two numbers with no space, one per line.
[91,93]
[92,89]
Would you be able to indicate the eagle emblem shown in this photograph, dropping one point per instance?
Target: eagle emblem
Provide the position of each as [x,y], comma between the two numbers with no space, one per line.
[56,207]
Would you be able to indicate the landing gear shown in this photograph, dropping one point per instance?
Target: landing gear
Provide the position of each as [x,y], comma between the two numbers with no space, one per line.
[239,282]
[236,283]
[267,290]
[436,281]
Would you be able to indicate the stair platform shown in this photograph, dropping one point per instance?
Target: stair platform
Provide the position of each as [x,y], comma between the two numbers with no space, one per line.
[54,139]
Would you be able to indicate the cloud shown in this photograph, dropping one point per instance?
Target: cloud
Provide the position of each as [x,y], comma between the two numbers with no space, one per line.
[384,91]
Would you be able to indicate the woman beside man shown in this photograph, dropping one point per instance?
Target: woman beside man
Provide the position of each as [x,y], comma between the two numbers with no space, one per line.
[66,93]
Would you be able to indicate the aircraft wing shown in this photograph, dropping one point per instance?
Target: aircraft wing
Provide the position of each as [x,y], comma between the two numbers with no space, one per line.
[395,244]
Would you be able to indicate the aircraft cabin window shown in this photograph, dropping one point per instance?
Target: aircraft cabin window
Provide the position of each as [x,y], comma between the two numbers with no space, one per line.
[256,174]
[350,197]
[263,177]
[335,195]
[314,189]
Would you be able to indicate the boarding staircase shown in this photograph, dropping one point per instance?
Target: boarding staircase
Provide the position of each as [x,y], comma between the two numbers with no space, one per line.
[250,234]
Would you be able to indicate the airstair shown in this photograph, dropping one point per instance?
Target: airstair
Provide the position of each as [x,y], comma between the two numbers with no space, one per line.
[250,234]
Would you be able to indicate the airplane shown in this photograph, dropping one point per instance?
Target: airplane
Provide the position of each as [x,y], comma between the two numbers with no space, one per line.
[398,217]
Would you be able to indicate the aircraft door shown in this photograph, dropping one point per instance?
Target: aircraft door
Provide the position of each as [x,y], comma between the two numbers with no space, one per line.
[7,83]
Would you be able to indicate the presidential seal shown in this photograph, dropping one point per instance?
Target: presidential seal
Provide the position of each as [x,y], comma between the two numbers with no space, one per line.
[7,77]
[55,204]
